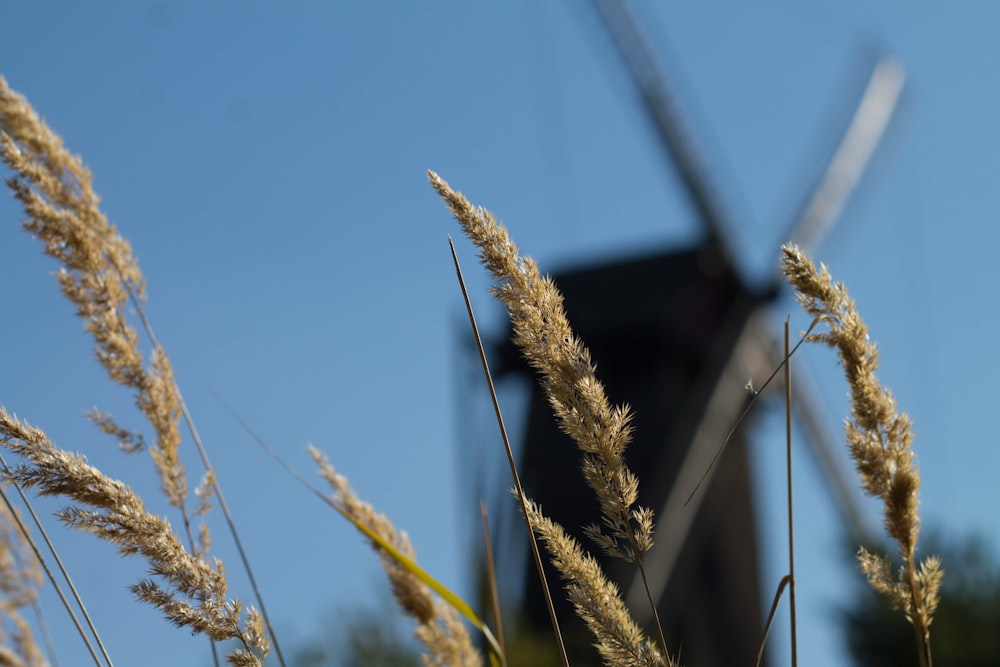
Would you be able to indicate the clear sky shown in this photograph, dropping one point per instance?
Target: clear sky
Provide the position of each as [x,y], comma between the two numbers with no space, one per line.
[267,162]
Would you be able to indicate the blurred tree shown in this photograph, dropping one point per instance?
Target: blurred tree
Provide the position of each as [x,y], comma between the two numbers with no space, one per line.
[363,637]
[966,628]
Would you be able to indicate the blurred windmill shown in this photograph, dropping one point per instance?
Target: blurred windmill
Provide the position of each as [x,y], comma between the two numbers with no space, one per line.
[676,336]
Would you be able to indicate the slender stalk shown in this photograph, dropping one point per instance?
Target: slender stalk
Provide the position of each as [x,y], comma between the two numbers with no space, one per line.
[387,546]
[510,457]
[770,617]
[43,628]
[217,489]
[231,524]
[492,574]
[652,606]
[788,459]
[756,394]
[649,595]
[50,575]
[182,506]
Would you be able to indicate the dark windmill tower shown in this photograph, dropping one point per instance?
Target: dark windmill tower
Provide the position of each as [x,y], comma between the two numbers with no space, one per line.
[676,336]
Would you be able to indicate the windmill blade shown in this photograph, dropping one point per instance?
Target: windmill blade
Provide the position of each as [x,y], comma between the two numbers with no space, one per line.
[659,105]
[864,132]
[837,182]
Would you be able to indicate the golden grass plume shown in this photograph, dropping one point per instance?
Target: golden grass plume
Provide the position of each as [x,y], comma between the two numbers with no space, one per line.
[101,277]
[544,336]
[439,628]
[601,432]
[879,438]
[190,591]
[596,600]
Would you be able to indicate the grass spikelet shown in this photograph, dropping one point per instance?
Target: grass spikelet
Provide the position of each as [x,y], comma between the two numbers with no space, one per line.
[879,438]
[99,275]
[543,334]
[569,380]
[439,628]
[597,601]
[188,590]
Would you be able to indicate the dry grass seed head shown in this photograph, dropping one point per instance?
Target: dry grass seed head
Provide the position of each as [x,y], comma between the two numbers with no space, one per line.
[543,333]
[188,590]
[99,274]
[438,626]
[597,601]
[880,439]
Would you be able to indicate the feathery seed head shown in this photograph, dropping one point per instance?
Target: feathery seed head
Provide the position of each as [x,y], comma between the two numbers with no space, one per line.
[190,591]
[99,275]
[597,601]
[543,333]
[879,438]
[438,626]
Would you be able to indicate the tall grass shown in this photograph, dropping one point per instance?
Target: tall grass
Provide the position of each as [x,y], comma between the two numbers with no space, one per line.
[100,276]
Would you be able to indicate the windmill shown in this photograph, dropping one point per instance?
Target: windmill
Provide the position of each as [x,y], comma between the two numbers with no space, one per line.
[680,351]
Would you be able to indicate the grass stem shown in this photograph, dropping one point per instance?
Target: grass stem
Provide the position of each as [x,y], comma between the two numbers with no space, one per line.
[217,489]
[51,576]
[491,572]
[788,460]
[756,394]
[770,617]
[510,458]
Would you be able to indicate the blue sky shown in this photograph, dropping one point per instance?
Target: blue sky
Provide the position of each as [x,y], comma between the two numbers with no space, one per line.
[267,162]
